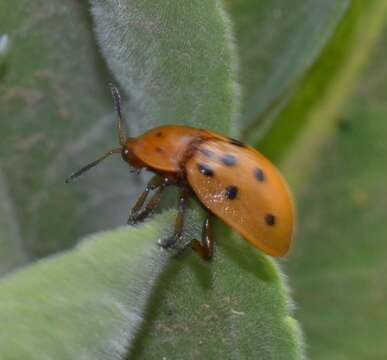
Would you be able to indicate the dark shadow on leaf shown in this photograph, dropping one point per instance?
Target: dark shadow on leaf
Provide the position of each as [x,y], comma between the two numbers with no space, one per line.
[247,257]
[185,258]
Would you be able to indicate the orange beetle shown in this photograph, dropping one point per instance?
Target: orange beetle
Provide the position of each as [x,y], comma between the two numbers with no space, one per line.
[231,180]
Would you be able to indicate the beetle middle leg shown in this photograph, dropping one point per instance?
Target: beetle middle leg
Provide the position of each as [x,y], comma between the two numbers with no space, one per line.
[136,215]
[177,235]
[205,247]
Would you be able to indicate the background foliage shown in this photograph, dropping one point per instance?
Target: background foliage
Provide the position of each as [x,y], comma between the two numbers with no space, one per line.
[299,97]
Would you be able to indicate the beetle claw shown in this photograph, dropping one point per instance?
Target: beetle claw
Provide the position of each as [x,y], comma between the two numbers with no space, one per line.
[170,243]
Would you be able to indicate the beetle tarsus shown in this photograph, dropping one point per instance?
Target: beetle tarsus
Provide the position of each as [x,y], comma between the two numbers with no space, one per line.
[205,247]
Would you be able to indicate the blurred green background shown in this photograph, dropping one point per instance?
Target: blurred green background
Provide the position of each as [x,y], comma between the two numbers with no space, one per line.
[337,268]
[312,97]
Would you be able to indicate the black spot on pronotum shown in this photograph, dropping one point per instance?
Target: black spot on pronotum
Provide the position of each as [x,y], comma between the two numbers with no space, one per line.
[206,152]
[259,174]
[236,142]
[205,170]
[229,160]
[270,219]
[231,192]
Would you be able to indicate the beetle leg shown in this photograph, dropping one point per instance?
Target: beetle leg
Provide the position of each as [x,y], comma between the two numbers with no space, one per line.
[173,240]
[205,247]
[149,208]
[135,214]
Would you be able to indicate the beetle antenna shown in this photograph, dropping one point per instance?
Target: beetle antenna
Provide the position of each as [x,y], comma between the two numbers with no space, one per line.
[92,164]
[122,133]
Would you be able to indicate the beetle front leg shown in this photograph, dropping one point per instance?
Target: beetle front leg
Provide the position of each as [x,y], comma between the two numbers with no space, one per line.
[136,215]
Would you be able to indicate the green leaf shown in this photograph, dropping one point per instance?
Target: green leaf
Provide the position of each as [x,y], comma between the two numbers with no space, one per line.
[55,108]
[338,265]
[237,305]
[175,61]
[278,41]
[89,302]
[12,252]
[334,165]
[309,118]
[86,303]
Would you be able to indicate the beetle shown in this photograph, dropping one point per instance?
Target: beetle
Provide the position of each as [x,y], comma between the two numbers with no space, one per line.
[232,181]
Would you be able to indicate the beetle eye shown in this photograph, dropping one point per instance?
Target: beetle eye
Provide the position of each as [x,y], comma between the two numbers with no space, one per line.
[125,153]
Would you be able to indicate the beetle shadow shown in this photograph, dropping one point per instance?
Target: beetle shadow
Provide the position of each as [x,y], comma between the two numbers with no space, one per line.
[228,247]
[184,260]
[245,256]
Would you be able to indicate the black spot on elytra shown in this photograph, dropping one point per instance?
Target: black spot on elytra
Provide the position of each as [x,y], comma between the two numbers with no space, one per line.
[259,174]
[229,160]
[159,150]
[236,142]
[205,170]
[231,192]
[159,134]
[206,152]
[270,219]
